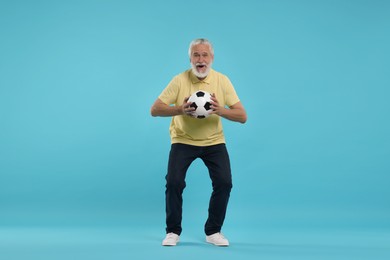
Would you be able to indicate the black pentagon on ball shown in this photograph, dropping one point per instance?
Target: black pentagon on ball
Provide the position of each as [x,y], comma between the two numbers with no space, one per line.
[194,105]
[200,94]
[207,106]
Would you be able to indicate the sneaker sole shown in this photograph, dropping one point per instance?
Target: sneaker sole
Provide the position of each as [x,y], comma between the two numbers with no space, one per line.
[222,245]
[170,244]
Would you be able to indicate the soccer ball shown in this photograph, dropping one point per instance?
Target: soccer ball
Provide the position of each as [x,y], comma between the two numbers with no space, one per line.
[201,101]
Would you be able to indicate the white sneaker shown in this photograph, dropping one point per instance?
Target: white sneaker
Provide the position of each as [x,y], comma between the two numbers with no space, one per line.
[171,239]
[217,239]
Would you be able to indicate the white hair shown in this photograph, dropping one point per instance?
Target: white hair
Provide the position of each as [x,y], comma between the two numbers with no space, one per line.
[200,41]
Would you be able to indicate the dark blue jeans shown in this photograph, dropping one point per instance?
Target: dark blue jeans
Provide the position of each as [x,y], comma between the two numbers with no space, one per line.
[216,159]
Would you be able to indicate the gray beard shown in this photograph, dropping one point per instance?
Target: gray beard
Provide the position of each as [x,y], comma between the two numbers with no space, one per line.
[199,74]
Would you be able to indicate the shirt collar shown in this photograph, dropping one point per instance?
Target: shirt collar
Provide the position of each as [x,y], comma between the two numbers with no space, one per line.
[195,80]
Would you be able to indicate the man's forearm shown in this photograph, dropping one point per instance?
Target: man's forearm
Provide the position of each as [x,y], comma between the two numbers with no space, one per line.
[236,115]
[161,109]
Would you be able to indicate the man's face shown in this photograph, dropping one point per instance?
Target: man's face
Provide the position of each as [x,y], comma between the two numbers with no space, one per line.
[201,60]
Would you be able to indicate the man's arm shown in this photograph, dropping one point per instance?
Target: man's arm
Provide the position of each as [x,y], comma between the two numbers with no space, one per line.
[159,108]
[234,113]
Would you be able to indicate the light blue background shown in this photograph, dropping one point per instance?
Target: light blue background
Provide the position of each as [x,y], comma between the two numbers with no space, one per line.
[79,150]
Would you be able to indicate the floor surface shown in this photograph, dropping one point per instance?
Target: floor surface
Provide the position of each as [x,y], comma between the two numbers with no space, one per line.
[133,243]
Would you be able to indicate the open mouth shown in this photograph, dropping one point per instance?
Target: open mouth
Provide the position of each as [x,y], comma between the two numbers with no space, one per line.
[201,66]
[201,69]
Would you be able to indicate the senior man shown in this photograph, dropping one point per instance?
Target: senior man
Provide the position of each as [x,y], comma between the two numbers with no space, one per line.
[193,138]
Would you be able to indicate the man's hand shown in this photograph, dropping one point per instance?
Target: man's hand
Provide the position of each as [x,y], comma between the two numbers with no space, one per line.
[235,112]
[215,105]
[186,108]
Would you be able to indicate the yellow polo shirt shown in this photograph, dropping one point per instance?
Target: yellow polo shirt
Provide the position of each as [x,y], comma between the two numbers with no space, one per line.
[193,131]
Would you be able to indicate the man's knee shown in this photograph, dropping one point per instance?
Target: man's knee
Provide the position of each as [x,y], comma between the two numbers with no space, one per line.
[223,184]
[175,183]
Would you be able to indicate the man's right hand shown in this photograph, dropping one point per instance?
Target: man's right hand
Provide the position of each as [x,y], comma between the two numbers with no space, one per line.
[186,108]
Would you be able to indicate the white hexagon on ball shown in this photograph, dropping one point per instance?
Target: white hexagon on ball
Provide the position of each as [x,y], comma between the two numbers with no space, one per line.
[201,101]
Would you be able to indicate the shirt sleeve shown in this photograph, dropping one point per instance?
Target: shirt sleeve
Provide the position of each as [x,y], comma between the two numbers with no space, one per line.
[231,96]
[169,94]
